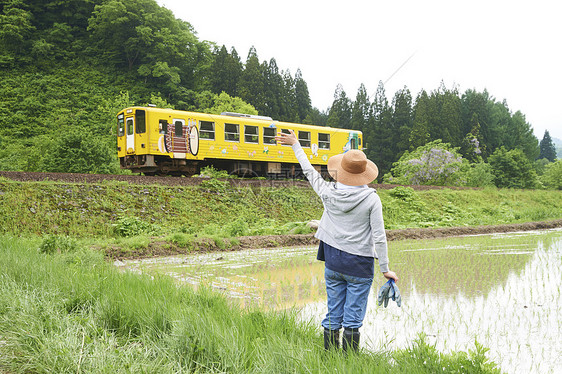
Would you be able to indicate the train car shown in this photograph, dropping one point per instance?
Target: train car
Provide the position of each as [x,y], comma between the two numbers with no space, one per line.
[156,141]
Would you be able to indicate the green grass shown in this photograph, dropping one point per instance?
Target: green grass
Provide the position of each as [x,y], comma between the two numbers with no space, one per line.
[70,312]
[455,208]
[113,209]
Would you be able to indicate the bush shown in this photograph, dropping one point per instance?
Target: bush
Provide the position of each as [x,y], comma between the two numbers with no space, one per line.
[76,151]
[552,177]
[239,227]
[435,163]
[214,185]
[479,175]
[132,226]
[57,244]
[512,169]
[211,172]
[403,193]
[180,239]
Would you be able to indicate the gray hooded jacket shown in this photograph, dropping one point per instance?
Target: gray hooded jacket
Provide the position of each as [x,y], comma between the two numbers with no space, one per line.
[352,220]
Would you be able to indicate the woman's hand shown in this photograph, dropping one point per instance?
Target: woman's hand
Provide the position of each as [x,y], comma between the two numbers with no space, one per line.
[288,139]
[391,275]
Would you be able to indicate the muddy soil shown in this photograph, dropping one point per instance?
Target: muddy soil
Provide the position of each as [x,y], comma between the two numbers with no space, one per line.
[159,248]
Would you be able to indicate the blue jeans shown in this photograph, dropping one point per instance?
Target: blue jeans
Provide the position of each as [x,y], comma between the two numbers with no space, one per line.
[347,300]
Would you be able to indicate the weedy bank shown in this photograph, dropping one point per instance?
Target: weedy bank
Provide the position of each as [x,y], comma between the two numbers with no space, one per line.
[71,312]
[136,217]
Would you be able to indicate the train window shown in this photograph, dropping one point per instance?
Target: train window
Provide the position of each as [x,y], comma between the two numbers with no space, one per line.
[304,138]
[178,128]
[140,118]
[353,143]
[269,135]
[207,130]
[130,125]
[231,132]
[251,134]
[323,141]
[163,126]
[120,125]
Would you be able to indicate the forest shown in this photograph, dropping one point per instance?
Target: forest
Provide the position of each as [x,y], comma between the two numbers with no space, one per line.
[68,66]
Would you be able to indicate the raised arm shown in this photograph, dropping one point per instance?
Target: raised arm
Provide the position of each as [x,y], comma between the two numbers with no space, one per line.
[316,181]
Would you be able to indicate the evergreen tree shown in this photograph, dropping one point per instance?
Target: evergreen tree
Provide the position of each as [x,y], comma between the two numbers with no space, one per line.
[288,101]
[380,139]
[420,134]
[340,111]
[360,110]
[316,117]
[251,86]
[217,70]
[547,149]
[450,118]
[476,108]
[302,96]
[225,71]
[233,67]
[274,90]
[434,104]
[402,119]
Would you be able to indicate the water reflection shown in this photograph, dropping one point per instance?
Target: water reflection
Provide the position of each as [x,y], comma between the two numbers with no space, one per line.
[269,279]
[502,290]
[511,306]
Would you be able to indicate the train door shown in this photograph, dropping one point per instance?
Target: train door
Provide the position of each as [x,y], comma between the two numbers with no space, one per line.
[141,138]
[177,139]
[354,140]
[130,137]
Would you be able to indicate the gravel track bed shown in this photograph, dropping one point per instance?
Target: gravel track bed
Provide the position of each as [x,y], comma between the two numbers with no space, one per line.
[22,176]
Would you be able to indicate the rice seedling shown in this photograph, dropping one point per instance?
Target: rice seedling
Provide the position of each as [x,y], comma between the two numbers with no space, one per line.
[499,291]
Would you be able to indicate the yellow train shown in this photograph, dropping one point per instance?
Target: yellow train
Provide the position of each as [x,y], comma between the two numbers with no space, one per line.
[158,141]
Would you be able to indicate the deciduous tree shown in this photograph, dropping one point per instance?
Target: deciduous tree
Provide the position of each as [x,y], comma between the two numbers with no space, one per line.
[512,169]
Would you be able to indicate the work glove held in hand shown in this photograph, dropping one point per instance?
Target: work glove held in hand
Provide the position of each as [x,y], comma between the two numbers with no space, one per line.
[388,291]
[383,294]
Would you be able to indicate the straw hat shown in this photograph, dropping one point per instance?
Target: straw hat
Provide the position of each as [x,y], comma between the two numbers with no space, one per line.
[352,168]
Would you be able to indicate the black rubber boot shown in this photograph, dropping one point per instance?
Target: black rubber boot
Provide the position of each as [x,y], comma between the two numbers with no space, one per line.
[350,341]
[331,339]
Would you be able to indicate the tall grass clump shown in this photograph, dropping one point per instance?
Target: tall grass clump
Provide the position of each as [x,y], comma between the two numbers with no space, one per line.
[60,316]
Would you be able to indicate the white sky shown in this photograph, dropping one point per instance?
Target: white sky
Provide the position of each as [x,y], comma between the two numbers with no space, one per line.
[511,48]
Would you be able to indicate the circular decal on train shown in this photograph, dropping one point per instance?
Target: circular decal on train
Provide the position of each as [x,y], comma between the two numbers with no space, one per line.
[194,141]
[314,149]
[162,144]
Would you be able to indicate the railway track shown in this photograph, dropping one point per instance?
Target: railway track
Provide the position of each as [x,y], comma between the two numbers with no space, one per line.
[22,176]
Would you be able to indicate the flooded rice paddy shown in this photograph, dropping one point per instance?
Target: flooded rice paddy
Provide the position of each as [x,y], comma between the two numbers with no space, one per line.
[503,291]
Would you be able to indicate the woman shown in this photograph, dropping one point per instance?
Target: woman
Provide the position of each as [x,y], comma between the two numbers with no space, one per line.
[350,230]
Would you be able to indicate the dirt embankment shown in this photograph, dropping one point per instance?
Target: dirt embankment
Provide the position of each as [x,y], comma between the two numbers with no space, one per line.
[21,176]
[158,249]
